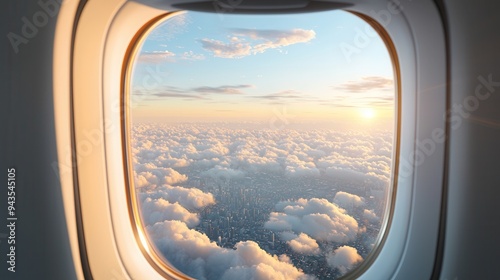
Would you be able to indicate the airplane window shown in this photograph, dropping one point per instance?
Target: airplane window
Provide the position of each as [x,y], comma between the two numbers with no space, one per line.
[261,146]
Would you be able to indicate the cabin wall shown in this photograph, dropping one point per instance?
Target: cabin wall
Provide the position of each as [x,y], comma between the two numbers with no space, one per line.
[27,143]
[471,248]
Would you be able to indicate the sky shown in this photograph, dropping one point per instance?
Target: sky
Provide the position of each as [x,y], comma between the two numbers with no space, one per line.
[327,67]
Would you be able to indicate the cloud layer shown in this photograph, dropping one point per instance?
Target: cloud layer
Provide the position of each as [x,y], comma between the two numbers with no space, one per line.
[171,162]
[366,84]
[193,252]
[301,243]
[348,201]
[316,217]
[344,258]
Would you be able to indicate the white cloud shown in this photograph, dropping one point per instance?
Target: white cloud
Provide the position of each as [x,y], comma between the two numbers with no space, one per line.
[366,84]
[344,156]
[370,216]
[226,50]
[348,200]
[156,57]
[146,179]
[275,38]
[318,218]
[159,210]
[150,176]
[190,55]
[173,177]
[170,29]
[296,167]
[170,161]
[344,258]
[226,89]
[244,42]
[223,172]
[189,198]
[193,253]
[164,155]
[301,243]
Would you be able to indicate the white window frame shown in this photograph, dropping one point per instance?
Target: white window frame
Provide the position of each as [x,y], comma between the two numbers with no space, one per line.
[105,33]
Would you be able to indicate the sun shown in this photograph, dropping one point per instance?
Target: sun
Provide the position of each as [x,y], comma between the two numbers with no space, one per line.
[367,113]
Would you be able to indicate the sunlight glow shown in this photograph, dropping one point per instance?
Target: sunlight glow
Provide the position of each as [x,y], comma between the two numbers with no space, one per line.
[367,113]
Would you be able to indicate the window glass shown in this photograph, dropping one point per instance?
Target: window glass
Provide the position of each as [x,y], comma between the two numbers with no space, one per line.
[262,145]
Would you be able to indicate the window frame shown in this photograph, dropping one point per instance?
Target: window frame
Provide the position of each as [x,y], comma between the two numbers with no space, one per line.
[159,262]
[97,84]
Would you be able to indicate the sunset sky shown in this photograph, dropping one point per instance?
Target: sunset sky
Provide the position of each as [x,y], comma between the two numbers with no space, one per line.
[222,67]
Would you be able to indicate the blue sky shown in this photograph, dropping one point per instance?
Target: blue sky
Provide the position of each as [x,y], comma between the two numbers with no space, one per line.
[223,67]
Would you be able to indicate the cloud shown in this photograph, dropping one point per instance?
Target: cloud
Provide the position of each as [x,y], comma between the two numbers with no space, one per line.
[197,93]
[226,50]
[370,216]
[275,38]
[222,89]
[186,96]
[367,84]
[155,175]
[170,29]
[189,198]
[318,218]
[173,203]
[145,180]
[193,253]
[261,40]
[301,243]
[344,258]
[159,210]
[360,158]
[190,55]
[223,172]
[366,92]
[168,160]
[173,177]
[156,57]
[286,94]
[296,167]
[347,200]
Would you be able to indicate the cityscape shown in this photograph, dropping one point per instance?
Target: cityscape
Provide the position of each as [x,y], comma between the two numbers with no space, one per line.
[296,199]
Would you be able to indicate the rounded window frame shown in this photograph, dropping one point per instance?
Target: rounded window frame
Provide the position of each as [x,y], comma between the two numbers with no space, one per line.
[89,66]
[160,263]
